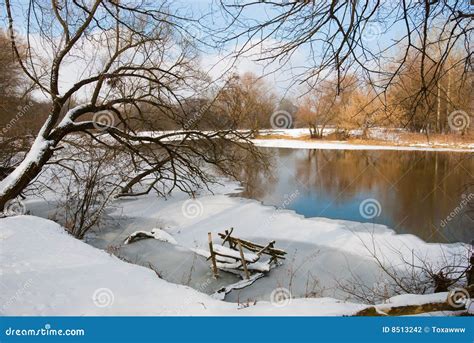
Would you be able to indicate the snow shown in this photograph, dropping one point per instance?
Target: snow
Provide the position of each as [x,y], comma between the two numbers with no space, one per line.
[35,254]
[33,156]
[221,293]
[258,266]
[391,136]
[45,272]
[328,250]
[68,118]
[253,221]
[295,133]
[250,257]
[389,139]
[321,252]
[341,145]
[414,299]
[157,234]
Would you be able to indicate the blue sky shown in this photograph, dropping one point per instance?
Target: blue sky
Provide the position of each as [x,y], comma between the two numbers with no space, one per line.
[279,76]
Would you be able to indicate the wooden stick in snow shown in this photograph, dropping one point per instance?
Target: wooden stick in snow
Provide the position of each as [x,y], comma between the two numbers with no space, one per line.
[244,263]
[227,236]
[213,256]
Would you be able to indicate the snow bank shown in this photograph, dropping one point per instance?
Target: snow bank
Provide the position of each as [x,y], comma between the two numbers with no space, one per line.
[341,145]
[414,299]
[45,271]
[255,222]
[321,250]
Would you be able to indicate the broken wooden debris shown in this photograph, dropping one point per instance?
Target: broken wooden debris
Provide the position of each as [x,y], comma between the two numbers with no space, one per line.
[268,249]
[242,256]
[233,254]
[244,263]
[213,255]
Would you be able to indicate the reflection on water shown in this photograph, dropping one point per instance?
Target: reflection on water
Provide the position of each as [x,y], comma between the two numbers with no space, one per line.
[420,192]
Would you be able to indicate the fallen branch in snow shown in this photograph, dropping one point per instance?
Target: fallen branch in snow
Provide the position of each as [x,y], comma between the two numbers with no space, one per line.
[452,302]
[221,293]
[257,248]
[407,309]
[233,254]
[157,234]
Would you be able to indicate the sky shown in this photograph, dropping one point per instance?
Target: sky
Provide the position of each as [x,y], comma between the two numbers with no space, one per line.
[215,61]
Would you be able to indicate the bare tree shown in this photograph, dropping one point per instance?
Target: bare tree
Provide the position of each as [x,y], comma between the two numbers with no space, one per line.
[322,105]
[247,100]
[372,39]
[413,274]
[86,177]
[315,112]
[131,55]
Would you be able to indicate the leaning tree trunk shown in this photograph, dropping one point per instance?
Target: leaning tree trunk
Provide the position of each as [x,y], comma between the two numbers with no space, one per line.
[39,154]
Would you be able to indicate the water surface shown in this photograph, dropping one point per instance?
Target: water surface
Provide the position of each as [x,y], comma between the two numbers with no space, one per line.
[429,194]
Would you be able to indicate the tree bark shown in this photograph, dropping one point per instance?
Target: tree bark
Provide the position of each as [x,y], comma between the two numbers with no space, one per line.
[438,109]
[39,154]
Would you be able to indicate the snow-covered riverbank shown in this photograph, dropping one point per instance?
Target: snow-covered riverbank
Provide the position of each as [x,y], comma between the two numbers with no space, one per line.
[380,139]
[47,272]
[341,145]
[322,253]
